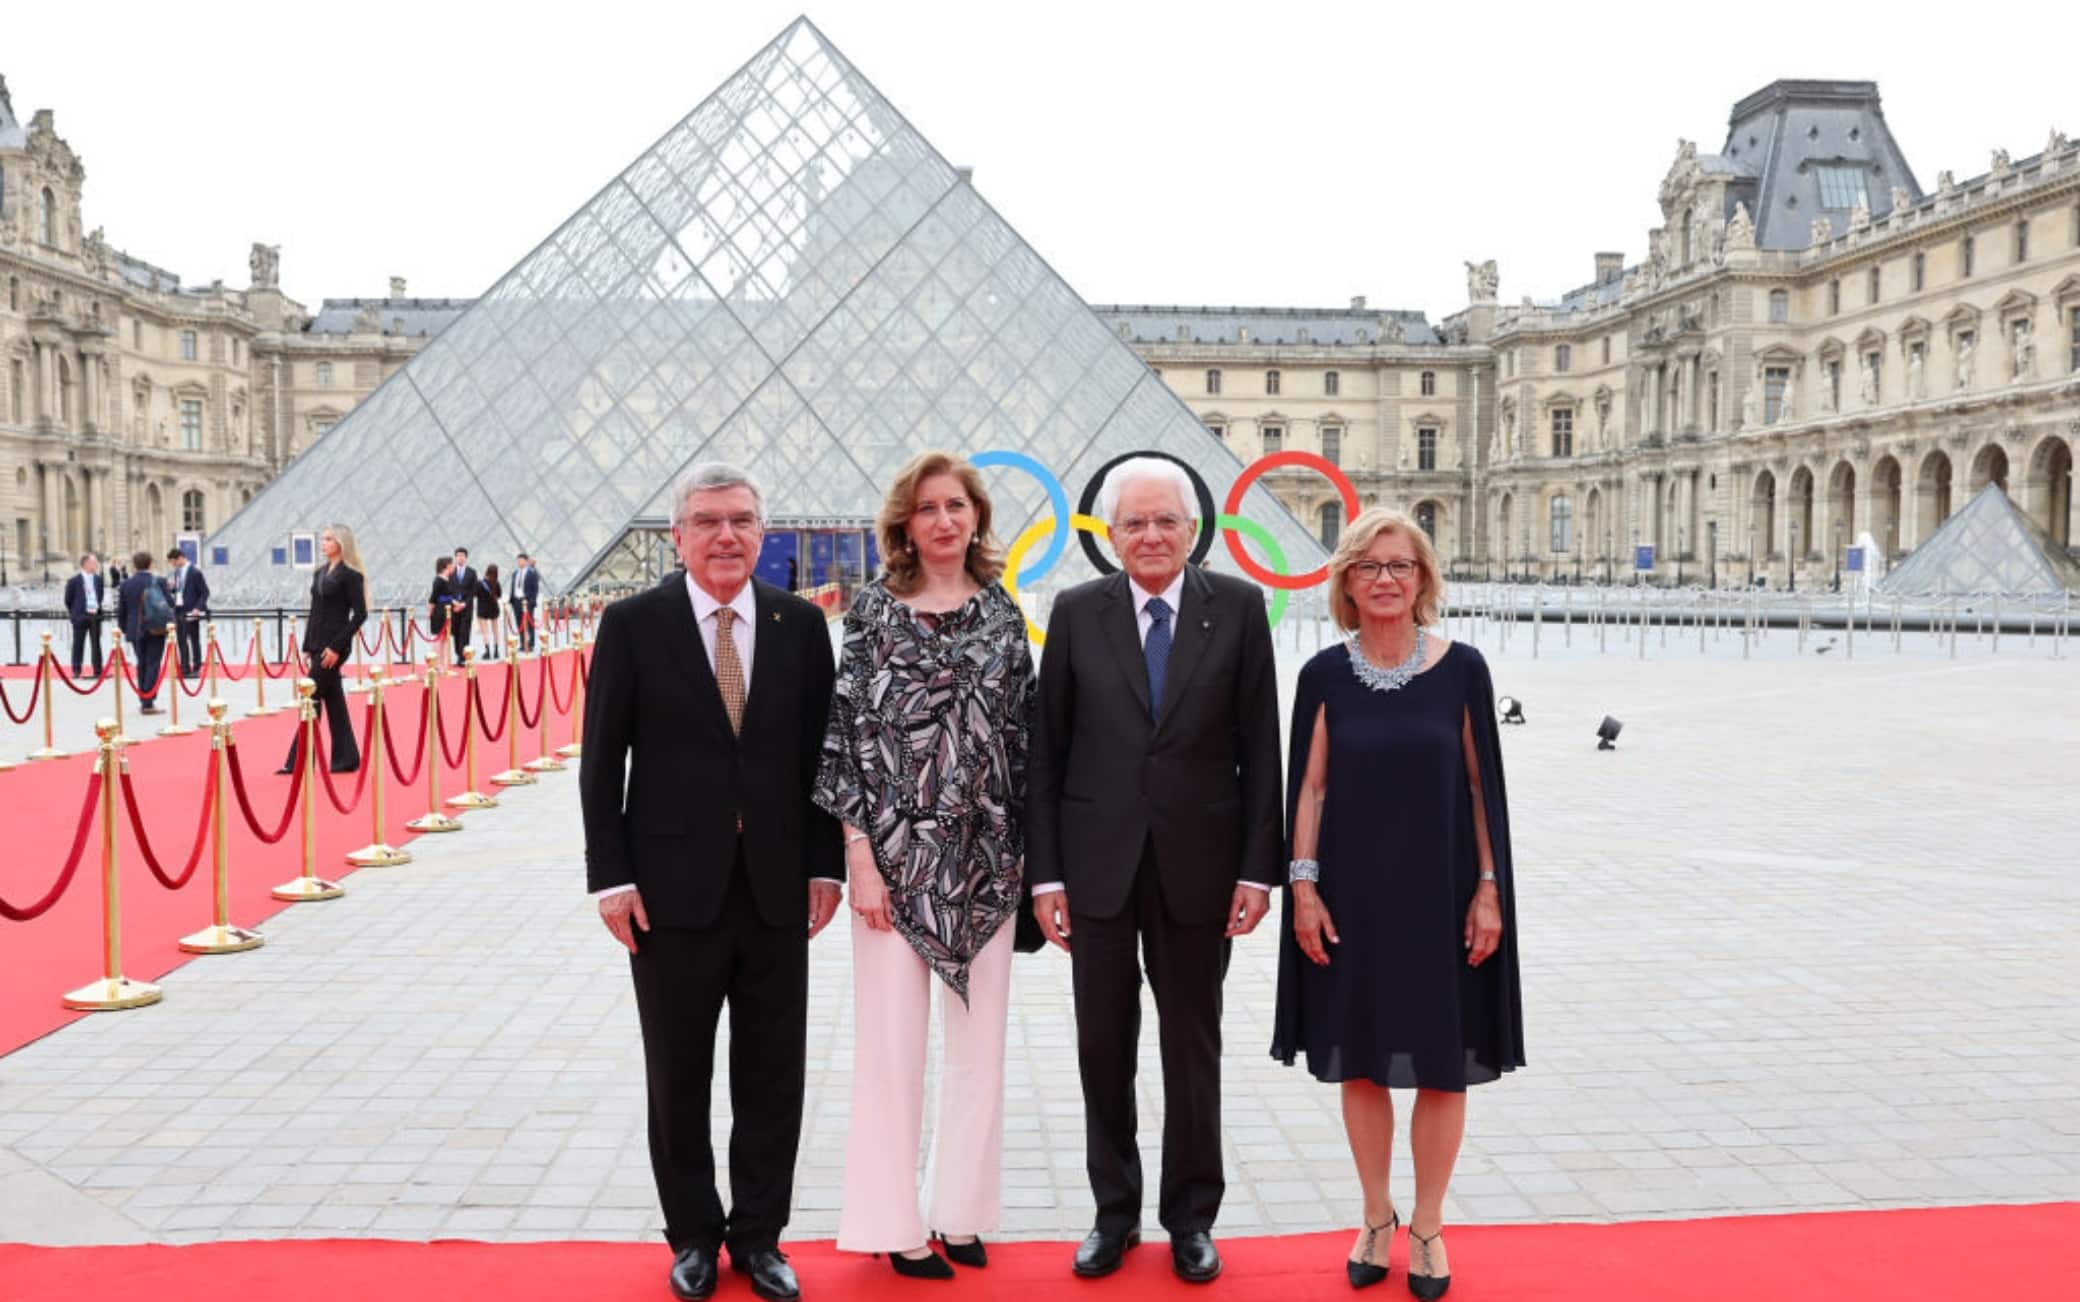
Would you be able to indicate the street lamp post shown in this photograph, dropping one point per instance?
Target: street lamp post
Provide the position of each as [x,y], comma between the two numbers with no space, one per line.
[1791,561]
[1751,555]
[1838,556]
[1679,556]
[1711,533]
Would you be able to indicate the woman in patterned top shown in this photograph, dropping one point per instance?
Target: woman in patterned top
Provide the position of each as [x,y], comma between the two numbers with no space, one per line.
[925,764]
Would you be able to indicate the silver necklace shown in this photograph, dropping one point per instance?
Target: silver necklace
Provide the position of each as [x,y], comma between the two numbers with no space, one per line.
[1385,680]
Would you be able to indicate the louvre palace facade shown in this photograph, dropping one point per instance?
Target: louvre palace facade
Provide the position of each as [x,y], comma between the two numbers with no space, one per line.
[1816,346]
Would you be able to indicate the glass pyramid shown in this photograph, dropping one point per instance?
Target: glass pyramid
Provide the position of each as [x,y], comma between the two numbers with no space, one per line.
[1988,547]
[793,280]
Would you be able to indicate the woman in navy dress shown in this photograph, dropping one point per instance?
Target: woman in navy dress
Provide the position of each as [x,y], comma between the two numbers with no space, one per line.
[1400,966]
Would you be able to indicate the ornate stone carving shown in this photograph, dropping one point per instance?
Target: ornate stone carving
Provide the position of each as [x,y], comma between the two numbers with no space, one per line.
[1946,183]
[368,321]
[1916,379]
[1901,200]
[265,263]
[1999,166]
[1483,281]
[1751,405]
[1860,216]
[2025,351]
[1789,403]
[1867,383]
[1967,344]
[2057,144]
[1740,229]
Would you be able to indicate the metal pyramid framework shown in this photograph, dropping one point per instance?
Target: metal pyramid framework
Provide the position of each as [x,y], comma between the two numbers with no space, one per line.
[792,280]
[1988,547]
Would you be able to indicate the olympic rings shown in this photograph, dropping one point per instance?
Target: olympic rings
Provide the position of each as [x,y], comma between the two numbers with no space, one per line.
[1033,533]
[1328,470]
[1056,498]
[1262,537]
[1200,548]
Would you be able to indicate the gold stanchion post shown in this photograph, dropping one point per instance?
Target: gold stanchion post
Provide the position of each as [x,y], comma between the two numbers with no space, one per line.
[210,655]
[547,761]
[220,937]
[113,990]
[49,751]
[309,886]
[514,775]
[470,797]
[170,656]
[433,820]
[115,685]
[261,709]
[378,853]
[362,684]
[577,742]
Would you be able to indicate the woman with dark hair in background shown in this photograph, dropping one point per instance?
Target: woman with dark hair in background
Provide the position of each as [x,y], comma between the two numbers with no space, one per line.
[438,599]
[487,597]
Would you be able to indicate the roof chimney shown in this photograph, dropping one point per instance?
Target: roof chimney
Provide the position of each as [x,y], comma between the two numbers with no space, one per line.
[1357,302]
[1609,266]
[397,286]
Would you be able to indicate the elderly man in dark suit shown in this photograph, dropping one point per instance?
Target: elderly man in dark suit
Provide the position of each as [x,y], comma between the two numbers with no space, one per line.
[712,865]
[83,592]
[1155,829]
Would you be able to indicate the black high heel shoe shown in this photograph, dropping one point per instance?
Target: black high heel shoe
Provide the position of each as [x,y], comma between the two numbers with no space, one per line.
[969,1254]
[929,1267]
[1362,1272]
[1425,1286]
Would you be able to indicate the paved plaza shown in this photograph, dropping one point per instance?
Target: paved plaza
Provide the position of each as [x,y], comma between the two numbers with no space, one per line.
[1803,942]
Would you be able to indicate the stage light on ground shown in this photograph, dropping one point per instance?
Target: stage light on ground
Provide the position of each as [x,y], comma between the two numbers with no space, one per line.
[1512,709]
[1607,733]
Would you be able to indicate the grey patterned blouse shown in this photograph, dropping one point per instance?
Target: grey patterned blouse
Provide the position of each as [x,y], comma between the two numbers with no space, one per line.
[926,753]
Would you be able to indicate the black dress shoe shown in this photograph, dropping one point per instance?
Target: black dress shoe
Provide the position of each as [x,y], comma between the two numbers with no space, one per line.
[1362,1271]
[771,1276]
[929,1266]
[693,1274]
[1101,1253]
[970,1253]
[347,768]
[1194,1258]
[1427,1287]
[286,770]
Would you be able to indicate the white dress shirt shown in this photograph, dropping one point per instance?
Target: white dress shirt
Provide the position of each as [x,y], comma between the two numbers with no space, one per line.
[1172,596]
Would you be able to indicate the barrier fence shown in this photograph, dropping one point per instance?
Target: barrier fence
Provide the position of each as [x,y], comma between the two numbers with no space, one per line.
[400,639]
[554,678]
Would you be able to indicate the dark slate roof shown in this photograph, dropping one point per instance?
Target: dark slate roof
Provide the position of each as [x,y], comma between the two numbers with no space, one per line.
[140,273]
[420,316]
[12,136]
[1778,140]
[1324,327]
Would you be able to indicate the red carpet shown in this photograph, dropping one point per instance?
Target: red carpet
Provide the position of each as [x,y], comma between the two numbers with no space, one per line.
[61,950]
[2017,1254]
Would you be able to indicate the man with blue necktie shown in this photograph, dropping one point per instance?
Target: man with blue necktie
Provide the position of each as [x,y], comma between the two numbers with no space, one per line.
[1154,829]
[189,592]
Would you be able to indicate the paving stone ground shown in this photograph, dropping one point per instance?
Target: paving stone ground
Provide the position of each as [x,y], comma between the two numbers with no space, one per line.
[1803,942]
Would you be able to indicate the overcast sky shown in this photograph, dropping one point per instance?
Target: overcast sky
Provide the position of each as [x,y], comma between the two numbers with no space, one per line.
[1289,153]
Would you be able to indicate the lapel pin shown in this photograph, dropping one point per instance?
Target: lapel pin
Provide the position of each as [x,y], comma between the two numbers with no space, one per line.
[1205,624]
[776,617]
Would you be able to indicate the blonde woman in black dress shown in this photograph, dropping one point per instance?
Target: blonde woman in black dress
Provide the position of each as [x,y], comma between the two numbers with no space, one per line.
[1399,967]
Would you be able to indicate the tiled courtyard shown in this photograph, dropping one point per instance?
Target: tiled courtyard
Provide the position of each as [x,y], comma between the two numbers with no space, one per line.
[1804,941]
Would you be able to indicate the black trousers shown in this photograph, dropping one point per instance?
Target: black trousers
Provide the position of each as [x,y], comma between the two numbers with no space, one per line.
[85,631]
[331,699]
[188,633]
[146,652]
[1186,965]
[523,619]
[683,976]
[458,626]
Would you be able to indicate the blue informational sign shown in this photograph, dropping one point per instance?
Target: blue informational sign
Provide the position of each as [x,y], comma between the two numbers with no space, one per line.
[303,549]
[779,559]
[1856,560]
[190,546]
[279,555]
[1643,556]
[220,555]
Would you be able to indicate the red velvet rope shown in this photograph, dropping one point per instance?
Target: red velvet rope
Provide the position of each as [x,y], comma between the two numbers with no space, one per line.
[29,913]
[563,703]
[108,667]
[362,638]
[505,703]
[368,760]
[418,748]
[181,682]
[541,689]
[281,670]
[245,806]
[461,752]
[224,668]
[29,710]
[144,844]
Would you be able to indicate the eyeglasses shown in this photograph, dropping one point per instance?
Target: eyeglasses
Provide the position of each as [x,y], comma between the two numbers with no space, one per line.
[1369,571]
[702,522]
[1135,525]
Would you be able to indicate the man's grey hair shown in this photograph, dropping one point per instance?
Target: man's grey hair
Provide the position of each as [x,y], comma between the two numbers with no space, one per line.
[1136,470]
[711,475]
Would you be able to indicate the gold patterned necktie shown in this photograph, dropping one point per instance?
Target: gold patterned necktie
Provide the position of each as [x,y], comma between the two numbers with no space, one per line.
[729,670]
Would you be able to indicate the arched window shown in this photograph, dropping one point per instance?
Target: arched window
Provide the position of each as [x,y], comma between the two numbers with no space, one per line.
[1213,381]
[1332,444]
[191,511]
[1426,518]
[1563,523]
[1332,383]
[324,375]
[1779,306]
[1429,385]
[1563,357]
[1271,383]
[47,221]
[1332,523]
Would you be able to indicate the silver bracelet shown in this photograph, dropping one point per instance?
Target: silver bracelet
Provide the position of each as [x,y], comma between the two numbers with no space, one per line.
[1303,870]
[1487,876]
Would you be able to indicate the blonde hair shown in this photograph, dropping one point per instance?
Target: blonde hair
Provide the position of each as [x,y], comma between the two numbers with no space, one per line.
[901,571]
[1358,537]
[349,550]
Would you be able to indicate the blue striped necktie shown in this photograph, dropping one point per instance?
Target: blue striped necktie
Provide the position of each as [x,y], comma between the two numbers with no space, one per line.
[1155,649]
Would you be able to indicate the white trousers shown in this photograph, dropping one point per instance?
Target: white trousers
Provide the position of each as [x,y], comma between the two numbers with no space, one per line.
[892,1016]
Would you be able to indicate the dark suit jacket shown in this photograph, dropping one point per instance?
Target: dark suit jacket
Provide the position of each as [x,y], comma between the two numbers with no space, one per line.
[77,604]
[1203,781]
[193,588]
[339,606]
[130,604]
[669,826]
[527,588]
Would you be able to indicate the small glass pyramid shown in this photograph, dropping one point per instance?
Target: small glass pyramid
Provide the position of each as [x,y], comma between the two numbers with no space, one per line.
[1988,547]
[791,280]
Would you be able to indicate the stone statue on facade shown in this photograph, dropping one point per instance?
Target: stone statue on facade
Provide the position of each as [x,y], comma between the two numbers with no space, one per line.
[1860,215]
[1823,231]
[1751,405]
[1740,229]
[1966,346]
[1788,404]
[1867,383]
[1483,281]
[265,264]
[1999,165]
[1901,200]
[368,321]
[2025,351]
[2057,143]
[1946,182]
[1916,380]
